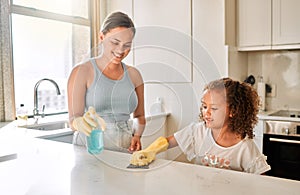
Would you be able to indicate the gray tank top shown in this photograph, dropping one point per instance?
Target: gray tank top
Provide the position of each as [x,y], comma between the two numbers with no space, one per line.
[114,100]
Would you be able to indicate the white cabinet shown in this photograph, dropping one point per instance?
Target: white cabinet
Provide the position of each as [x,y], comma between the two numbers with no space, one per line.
[286,24]
[258,134]
[268,24]
[210,54]
[163,40]
[156,126]
[254,24]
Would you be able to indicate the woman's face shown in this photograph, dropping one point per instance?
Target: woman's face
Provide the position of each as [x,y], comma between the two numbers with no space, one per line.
[214,109]
[117,44]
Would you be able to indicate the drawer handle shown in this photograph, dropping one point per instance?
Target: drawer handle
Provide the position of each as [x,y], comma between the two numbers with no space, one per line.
[284,140]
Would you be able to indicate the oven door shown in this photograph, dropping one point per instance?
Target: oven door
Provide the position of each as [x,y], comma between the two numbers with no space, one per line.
[283,155]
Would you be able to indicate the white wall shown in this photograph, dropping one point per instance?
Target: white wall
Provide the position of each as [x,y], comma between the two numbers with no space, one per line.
[281,68]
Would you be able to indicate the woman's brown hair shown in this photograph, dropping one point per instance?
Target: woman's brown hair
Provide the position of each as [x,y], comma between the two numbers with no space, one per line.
[117,19]
[243,104]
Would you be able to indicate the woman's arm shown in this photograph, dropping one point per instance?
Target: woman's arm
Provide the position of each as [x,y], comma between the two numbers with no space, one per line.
[77,85]
[139,113]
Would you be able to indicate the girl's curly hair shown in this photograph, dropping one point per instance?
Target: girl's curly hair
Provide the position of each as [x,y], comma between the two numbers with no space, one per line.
[243,104]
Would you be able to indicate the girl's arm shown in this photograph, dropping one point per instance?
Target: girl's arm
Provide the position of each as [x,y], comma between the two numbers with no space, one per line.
[172,141]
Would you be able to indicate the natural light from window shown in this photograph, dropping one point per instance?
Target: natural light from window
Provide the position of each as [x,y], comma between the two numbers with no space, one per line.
[47,48]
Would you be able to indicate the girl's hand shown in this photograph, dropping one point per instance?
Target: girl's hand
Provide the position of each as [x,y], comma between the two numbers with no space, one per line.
[146,156]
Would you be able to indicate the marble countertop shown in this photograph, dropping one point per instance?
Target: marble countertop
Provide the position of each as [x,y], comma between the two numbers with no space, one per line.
[50,167]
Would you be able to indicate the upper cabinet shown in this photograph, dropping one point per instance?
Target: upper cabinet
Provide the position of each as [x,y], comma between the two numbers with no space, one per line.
[286,24]
[268,24]
[162,46]
[210,54]
[254,24]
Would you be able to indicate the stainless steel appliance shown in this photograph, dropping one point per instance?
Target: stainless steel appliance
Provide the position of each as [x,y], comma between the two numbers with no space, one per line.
[281,145]
[287,113]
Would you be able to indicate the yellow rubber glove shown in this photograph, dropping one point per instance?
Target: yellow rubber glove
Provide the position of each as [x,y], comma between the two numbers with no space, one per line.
[146,156]
[90,120]
[93,119]
[81,125]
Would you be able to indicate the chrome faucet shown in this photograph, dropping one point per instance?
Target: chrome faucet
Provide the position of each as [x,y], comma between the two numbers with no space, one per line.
[36,108]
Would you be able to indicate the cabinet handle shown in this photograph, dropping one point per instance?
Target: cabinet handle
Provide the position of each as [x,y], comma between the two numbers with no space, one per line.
[284,140]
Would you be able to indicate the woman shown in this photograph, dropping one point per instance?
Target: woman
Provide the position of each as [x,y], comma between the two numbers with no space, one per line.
[115,90]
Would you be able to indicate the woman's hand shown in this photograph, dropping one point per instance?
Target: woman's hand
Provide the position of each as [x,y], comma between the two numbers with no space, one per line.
[88,122]
[135,144]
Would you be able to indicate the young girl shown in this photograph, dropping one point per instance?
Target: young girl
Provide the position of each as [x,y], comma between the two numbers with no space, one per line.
[224,137]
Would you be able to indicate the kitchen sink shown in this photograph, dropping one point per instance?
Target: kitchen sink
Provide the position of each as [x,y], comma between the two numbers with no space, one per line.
[66,135]
[48,126]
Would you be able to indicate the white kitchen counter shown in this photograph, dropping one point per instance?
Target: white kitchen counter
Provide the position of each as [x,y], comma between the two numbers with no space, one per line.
[266,116]
[49,167]
[11,131]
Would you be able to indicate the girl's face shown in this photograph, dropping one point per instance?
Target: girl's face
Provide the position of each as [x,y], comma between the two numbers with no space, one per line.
[214,109]
[117,44]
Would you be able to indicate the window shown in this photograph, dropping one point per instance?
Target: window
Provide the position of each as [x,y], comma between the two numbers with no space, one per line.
[48,39]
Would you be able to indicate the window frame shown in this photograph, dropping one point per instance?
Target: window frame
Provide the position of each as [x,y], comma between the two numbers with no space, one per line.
[93,22]
[28,11]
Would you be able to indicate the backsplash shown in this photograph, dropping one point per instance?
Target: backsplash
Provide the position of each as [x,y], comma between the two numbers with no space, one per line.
[281,68]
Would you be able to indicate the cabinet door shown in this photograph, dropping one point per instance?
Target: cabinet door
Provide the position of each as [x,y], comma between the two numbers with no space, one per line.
[210,54]
[258,134]
[286,24]
[162,46]
[254,24]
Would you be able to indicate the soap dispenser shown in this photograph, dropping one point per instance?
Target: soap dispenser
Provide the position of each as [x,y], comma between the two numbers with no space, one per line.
[156,107]
[22,115]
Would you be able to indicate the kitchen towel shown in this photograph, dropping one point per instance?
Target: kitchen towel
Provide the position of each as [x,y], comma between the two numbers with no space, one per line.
[261,91]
